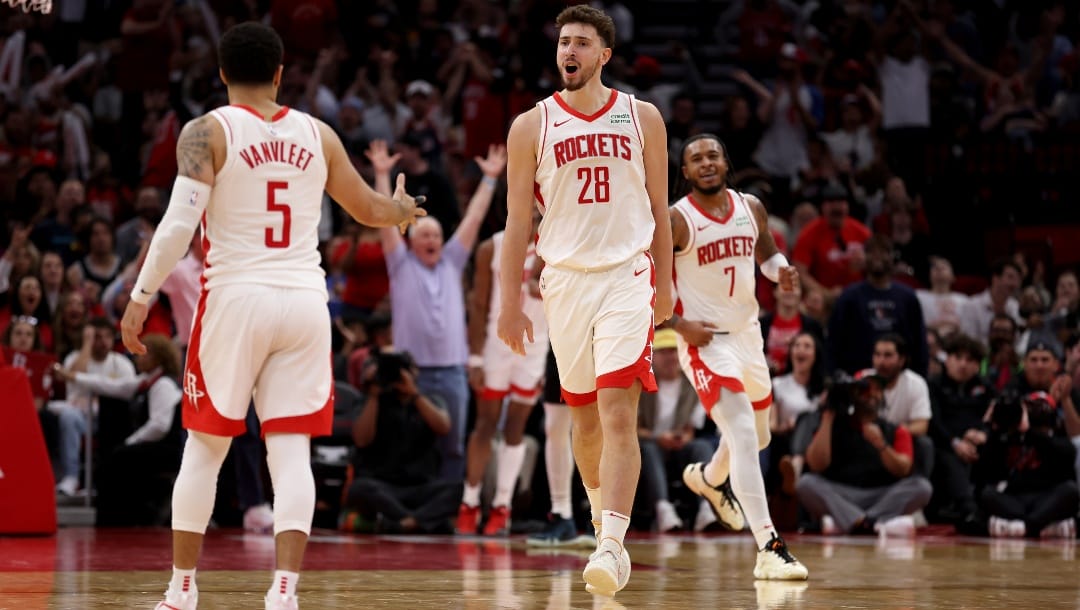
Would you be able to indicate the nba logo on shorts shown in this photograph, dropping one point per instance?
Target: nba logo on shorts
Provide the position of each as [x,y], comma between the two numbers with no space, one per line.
[194,199]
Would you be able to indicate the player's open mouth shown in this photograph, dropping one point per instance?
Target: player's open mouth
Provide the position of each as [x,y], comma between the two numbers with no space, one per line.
[570,68]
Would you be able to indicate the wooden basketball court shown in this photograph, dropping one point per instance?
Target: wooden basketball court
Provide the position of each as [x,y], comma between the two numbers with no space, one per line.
[87,568]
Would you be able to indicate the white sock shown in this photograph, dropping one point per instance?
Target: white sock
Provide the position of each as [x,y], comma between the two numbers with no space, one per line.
[183,581]
[719,467]
[614,526]
[734,416]
[558,458]
[284,583]
[471,497]
[594,503]
[507,471]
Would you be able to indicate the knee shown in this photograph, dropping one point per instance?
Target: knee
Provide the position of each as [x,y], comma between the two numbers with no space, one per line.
[807,485]
[922,489]
[484,428]
[586,427]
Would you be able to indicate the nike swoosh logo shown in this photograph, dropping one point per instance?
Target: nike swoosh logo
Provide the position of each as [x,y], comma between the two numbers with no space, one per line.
[145,292]
[640,271]
[702,228]
[558,123]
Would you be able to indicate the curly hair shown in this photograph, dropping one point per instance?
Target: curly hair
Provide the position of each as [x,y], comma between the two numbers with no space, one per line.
[583,13]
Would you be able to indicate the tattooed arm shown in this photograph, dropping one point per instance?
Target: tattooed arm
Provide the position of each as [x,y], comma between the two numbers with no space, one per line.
[200,153]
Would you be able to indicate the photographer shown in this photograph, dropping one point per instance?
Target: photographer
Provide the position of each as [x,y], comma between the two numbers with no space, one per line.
[859,478]
[397,465]
[1025,473]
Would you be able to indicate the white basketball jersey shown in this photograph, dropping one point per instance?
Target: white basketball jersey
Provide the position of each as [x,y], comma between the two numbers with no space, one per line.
[714,275]
[590,185]
[532,306]
[261,224]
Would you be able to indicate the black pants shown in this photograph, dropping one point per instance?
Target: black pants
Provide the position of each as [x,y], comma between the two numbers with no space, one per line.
[952,482]
[431,504]
[135,483]
[1036,509]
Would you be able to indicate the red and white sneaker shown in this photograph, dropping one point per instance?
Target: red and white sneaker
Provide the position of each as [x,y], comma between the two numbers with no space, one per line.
[468,519]
[498,523]
[184,601]
[277,601]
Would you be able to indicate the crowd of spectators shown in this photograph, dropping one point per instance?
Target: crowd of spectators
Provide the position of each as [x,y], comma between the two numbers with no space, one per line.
[863,125]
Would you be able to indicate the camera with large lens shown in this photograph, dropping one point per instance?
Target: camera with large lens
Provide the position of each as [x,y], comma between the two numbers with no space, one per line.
[389,365]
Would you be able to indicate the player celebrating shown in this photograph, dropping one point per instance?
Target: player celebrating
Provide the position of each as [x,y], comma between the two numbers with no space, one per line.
[717,234]
[253,173]
[595,160]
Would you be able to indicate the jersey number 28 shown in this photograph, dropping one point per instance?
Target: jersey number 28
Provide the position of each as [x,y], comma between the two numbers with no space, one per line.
[596,185]
[272,205]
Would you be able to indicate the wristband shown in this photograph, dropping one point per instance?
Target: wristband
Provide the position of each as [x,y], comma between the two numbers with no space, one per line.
[475,361]
[771,268]
[490,181]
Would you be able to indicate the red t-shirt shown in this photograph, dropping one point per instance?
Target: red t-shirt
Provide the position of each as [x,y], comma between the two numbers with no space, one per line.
[828,254]
[38,367]
[368,283]
[777,344]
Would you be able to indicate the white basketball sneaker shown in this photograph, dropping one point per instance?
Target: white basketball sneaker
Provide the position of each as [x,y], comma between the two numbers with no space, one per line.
[276,601]
[183,601]
[775,562]
[608,569]
[721,499]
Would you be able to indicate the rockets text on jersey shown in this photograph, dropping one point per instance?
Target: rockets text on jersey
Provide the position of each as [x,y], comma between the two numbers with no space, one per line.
[590,184]
[715,273]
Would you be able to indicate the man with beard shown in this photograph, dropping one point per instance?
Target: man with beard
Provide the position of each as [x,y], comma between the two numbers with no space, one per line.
[718,233]
[859,475]
[873,308]
[595,160]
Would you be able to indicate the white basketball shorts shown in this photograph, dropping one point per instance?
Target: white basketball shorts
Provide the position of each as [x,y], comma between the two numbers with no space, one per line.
[273,343]
[734,361]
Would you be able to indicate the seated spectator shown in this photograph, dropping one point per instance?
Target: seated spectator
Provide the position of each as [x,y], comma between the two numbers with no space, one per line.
[959,400]
[1025,473]
[907,397]
[779,328]
[75,412]
[54,281]
[795,395]
[22,349]
[829,251]
[666,433]
[29,303]
[860,477]
[397,466]
[135,479]
[20,258]
[941,306]
[1034,312]
[101,265]
[68,323]
[1002,363]
[999,298]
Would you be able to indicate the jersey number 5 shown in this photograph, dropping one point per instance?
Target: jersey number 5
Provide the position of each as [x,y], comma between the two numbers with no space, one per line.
[272,205]
[596,187]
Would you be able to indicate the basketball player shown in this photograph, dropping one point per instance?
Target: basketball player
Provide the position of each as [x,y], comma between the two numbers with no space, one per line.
[717,234]
[253,173]
[495,372]
[595,161]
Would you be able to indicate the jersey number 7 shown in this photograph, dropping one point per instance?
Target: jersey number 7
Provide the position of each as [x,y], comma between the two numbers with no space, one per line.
[272,205]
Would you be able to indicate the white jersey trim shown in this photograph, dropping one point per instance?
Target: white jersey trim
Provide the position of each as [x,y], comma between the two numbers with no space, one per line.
[689,229]
[230,145]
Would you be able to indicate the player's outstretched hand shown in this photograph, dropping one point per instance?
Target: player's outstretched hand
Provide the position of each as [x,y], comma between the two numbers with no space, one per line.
[512,325]
[131,327]
[789,279]
[408,204]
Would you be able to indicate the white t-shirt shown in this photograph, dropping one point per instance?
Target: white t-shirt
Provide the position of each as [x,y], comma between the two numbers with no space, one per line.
[905,93]
[978,312]
[790,397]
[842,144]
[908,400]
[115,366]
[941,309]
